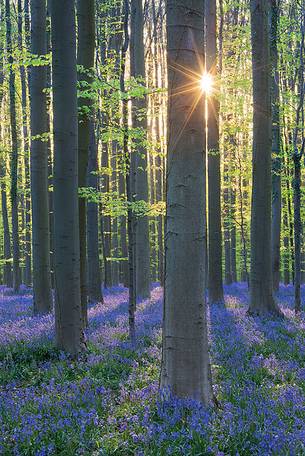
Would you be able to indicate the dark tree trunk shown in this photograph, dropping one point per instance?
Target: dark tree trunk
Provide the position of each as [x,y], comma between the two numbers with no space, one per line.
[39,164]
[139,120]
[276,152]
[85,58]
[14,154]
[94,272]
[215,285]
[68,316]
[26,140]
[261,296]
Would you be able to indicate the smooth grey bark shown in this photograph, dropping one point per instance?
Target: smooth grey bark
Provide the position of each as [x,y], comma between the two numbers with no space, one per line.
[215,285]
[129,178]
[185,357]
[68,317]
[8,279]
[94,271]
[39,164]
[276,150]
[139,120]
[123,235]
[85,58]
[233,232]
[7,272]
[26,139]
[298,153]
[106,222]
[261,296]
[14,153]
[286,271]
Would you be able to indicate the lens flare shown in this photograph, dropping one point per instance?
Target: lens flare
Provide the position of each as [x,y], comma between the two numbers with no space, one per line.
[206,83]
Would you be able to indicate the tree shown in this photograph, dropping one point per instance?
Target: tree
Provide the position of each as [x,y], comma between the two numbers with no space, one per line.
[276,149]
[298,153]
[39,163]
[66,223]
[94,272]
[14,154]
[139,121]
[215,285]
[85,59]
[185,363]
[261,296]
[7,276]
[26,140]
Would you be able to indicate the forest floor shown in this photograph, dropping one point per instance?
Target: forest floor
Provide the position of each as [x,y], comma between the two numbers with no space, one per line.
[107,403]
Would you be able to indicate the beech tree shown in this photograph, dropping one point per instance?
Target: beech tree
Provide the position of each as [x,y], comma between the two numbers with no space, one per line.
[139,120]
[66,223]
[185,360]
[276,149]
[14,152]
[85,59]
[39,163]
[261,295]
[215,236]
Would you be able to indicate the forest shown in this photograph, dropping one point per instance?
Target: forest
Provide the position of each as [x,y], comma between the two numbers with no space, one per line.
[152,258]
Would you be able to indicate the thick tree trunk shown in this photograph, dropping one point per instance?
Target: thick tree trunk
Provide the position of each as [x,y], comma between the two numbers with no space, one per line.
[94,271]
[85,58]
[261,296]
[14,154]
[39,164]
[139,120]
[276,152]
[215,285]
[185,363]
[68,315]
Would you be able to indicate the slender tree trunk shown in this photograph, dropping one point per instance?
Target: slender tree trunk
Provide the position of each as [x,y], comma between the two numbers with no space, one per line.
[233,233]
[39,164]
[261,296]
[287,250]
[215,285]
[7,276]
[106,222]
[85,58]
[8,279]
[297,160]
[94,271]
[276,152]
[68,314]
[139,120]
[14,155]
[185,363]
[26,140]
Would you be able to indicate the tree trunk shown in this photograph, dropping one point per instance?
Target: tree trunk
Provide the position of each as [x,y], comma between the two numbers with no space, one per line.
[7,275]
[139,120]
[261,297]
[276,152]
[39,164]
[26,141]
[185,363]
[94,271]
[215,285]
[68,314]
[14,154]
[85,58]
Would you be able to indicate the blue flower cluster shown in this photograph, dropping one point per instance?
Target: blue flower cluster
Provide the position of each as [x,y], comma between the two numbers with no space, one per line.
[108,402]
